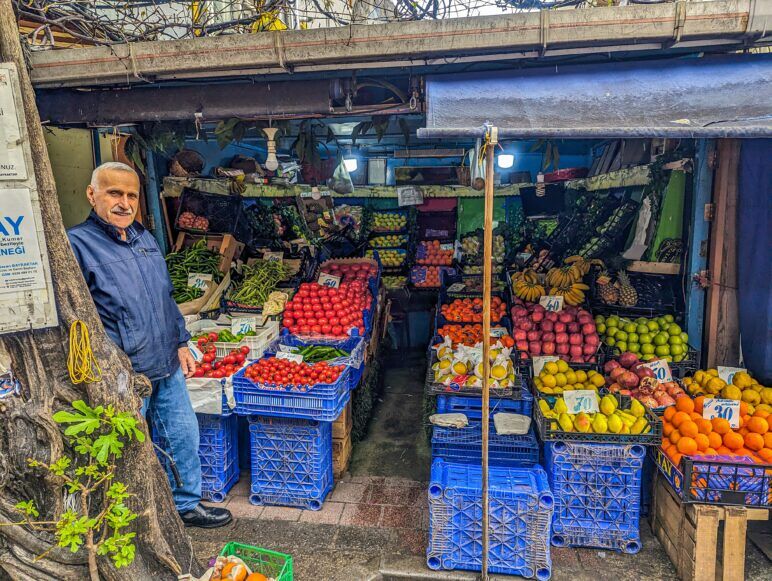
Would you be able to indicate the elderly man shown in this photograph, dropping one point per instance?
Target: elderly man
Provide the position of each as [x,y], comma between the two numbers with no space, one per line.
[126,274]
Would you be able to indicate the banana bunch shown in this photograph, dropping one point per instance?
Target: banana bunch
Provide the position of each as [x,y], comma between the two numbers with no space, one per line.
[572,293]
[564,275]
[582,263]
[526,286]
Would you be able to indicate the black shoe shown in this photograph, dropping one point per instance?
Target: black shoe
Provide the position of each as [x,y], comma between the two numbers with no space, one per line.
[206,517]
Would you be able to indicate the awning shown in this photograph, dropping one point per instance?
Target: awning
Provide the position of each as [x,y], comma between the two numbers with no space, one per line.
[729,96]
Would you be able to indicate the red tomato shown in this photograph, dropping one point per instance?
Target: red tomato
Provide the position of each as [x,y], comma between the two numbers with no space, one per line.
[213,336]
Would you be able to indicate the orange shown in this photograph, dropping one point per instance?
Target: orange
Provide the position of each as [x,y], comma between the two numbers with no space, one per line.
[743,431]
[676,458]
[766,454]
[768,440]
[687,446]
[733,441]
[744,409]
[703,443]
[724,451]
[695,416]
[711,451]
[744,420]
[669,413]
[704,426]
[698,402]
[667,429]
[715,440]
[761,414]
[680,417]
[256,577]
[721,426]
[674,437]
[688,429]
[685,404]
[754,441]
[758,425]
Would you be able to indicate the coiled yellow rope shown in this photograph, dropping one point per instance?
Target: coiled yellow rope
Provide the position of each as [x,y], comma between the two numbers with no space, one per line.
[81,364]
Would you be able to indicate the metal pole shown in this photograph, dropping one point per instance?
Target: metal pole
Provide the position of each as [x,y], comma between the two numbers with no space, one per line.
[491,139]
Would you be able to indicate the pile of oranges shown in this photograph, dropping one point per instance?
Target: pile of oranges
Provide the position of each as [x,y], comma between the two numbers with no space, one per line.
[430,252]
[470,310]
[426,276]
[471,335]
[686,433]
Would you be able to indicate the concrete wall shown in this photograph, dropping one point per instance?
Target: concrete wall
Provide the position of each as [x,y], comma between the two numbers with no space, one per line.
[72,159]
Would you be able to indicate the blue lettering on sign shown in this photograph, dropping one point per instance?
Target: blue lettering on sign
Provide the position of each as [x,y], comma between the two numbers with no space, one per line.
[11,251]
[15,226]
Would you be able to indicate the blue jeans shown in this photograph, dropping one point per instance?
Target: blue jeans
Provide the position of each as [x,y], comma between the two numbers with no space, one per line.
[171,414]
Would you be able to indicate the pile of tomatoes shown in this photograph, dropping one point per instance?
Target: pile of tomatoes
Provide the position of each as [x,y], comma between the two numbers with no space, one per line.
[470,310]
[211,366]
[274,372]
[332,312]
[471,335]
[351,271]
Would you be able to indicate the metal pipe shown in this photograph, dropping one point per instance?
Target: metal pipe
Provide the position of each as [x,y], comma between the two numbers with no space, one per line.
[764,129]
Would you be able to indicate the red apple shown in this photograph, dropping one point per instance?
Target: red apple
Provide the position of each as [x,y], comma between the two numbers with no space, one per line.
[547,325]
[611,366]
[572,327]
[548,347]
[589,349]
[548,336]
[560,327]
[537,316]
[551,316]
[575,339]
[564,317]
[519,312]
[562,348]
[525,325]
[520,335]
[575,351]
[522,345]
[561,338]
[533,335]
[534,348]
[592,340]
[588,329]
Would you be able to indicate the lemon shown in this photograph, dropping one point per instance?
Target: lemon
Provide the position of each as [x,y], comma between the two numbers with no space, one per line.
[549,380]
[581,376]
[459,368]
[713,372]
[560,379]
[551,368]
[742,380]
[444,364]
[597,380]
[562,366]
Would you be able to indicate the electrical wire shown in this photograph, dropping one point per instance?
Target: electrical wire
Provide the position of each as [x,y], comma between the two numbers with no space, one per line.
[81,363]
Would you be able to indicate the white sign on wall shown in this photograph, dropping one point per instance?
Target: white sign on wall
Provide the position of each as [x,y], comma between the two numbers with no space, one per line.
[12,165]
[26,291]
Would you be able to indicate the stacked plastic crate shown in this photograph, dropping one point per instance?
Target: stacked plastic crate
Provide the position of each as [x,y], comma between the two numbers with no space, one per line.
[520,500]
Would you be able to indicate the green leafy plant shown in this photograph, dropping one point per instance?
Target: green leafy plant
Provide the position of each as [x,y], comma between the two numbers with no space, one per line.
[99,524]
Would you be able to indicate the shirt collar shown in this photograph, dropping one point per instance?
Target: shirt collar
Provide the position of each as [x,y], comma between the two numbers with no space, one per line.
[134,230]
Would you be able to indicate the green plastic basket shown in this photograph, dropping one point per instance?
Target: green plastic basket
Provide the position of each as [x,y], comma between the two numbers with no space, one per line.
[273,565]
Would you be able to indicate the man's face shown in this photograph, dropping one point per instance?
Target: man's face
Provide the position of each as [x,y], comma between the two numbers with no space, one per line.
[116,197]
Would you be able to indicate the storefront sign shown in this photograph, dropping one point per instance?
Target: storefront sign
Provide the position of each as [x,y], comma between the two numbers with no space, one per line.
[661,370]
[329,280]
[581,400]
[728,409]
[727,373]
[12,166]
[21,267]
[540,360]
[552,302]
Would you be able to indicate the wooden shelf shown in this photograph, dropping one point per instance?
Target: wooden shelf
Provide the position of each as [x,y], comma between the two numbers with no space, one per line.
[654,267]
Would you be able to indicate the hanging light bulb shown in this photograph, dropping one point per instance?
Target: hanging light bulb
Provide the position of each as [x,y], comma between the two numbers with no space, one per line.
[505,160]
[271,163]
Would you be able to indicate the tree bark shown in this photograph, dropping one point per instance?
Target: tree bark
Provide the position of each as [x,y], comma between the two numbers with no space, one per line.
[27,430]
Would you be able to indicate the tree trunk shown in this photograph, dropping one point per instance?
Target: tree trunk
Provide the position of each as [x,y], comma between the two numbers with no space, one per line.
[27,430]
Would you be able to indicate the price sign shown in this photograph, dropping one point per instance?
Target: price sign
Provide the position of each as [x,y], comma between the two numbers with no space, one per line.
[286,349]
[581,400]
[195,351]
[661,370]
[456,287]
[296,357]
[409,196]
[198,280]
[244,325]
[498,331]
[273,256]
[329,280]
[523,256]
[540,360]
[729,409]
[552,303]
[727,373]
[448,246]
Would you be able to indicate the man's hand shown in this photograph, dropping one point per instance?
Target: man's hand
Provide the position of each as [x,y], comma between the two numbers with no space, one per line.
[187,362]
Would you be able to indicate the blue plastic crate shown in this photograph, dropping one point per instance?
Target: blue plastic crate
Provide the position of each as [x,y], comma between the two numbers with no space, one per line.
[597,490]
[471,407]
[520,512]
[291,461]
[322,402]
[218,451]
[465,445]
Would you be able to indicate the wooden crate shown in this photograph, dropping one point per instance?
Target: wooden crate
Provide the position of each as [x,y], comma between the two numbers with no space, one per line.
[341,428]
[690,534]
[225,245]
[341,455]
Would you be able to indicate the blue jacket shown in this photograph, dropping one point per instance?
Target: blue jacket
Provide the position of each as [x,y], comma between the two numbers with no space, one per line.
[130,285]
